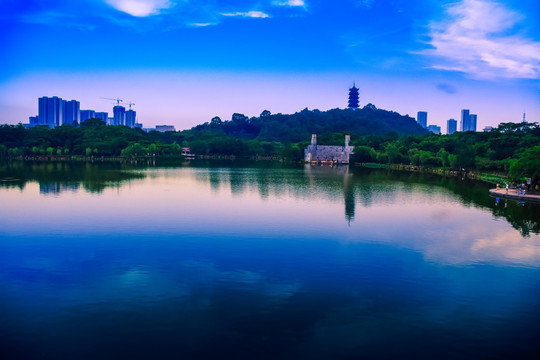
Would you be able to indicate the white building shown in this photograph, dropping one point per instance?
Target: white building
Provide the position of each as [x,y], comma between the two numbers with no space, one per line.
[328,153]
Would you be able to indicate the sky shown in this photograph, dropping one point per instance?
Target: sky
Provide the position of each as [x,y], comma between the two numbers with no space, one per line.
[182,62]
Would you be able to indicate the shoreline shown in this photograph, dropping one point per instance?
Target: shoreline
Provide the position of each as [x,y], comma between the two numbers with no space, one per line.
[469,174]
[513,194]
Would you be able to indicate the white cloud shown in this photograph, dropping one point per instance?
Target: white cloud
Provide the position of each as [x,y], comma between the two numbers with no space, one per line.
[289,3]
[511,246]
[140,8]
[202,24]
[476,40]
[251,14]
[54,18]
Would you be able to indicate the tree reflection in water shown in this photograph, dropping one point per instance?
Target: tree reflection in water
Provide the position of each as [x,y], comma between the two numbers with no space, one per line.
[357,186]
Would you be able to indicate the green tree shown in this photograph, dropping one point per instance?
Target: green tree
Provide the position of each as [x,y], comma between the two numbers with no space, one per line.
[216,121]
[94,122]
[153,150]
[527,165]
[442,154]
[414,156]
[265,114]
[392,151]
[134,150]
[453,160]
[363,154]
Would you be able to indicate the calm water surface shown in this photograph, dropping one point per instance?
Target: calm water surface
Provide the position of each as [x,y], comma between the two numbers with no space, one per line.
[256,262]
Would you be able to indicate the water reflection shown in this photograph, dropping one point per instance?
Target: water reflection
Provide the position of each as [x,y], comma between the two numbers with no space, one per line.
[57,188]
[263,262]
[348,194]
[56,177]
[356,186]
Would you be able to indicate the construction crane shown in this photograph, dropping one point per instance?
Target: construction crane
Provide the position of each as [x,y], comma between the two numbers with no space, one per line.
[130,103]
[118,100]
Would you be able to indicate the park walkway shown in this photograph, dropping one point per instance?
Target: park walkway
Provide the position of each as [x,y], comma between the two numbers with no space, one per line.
[513,194]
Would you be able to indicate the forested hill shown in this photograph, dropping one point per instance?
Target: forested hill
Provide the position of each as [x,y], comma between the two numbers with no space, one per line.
[299,126]
[266,135]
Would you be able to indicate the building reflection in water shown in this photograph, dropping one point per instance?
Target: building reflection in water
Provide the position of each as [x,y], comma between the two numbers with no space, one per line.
[57,188]
[336,178]
[349,196]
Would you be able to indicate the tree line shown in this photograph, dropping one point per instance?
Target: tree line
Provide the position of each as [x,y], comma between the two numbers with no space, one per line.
[379,136]
[511,148]
[91,138]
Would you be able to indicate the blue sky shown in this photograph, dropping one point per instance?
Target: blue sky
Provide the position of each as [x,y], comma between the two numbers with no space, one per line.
[182,62]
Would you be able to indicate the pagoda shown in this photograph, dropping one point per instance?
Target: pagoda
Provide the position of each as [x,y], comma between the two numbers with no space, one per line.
[353,97]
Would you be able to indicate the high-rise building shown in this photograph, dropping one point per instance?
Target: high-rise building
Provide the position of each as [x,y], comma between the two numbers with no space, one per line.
[51,111]
[465,120]
[421,118]
[119,115]
[102,115]
[54,111]
[434,129]
[130,118]
[472,122]
[451,126]
[87,114]
[72,112]
[354,97]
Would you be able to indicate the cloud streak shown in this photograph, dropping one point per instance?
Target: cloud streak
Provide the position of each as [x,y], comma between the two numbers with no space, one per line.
[249,14]
[477,40]
[140,8]
[55,18]
[292,3]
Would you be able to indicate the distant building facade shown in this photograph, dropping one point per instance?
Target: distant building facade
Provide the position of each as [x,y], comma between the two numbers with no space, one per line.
[434,129]
[101,115]
[464,123]
[421,118]
[468,121]
[87,114]
[354,97]
[54,111]
[51,111]
[119,115]
[72,112]
[451,126]
[472,122]
[130,118]
[33,121]
[328,153]
[164,128]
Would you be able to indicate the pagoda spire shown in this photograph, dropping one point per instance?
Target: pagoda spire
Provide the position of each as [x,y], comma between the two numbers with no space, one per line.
[354,97]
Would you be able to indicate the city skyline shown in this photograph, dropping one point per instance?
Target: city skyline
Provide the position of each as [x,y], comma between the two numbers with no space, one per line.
[184,63]
[55,111]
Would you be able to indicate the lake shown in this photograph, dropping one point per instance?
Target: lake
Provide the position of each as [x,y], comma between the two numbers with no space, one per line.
[262,261]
